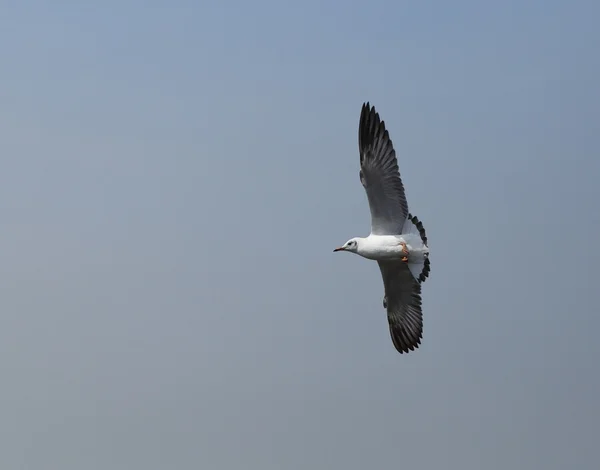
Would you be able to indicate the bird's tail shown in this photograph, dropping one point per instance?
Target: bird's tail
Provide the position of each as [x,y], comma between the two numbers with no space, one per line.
[419,265]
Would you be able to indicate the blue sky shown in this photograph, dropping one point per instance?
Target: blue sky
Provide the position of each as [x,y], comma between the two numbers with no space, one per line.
[174,177]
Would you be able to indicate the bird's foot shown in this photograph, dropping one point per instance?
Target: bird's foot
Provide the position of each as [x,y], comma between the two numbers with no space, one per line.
[404,251]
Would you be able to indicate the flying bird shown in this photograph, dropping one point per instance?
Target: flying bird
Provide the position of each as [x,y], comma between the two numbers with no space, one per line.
[397,240]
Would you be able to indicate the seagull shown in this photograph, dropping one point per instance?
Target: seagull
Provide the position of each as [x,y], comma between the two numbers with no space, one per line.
[397,241]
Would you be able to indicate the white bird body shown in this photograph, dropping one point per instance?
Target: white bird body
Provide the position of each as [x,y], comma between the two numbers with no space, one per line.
[390,247]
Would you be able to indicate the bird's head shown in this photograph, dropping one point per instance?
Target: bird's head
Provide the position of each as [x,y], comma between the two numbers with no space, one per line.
[351,246]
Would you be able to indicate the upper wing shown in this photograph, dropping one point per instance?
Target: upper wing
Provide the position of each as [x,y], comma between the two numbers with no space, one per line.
[379,175]
[403,294]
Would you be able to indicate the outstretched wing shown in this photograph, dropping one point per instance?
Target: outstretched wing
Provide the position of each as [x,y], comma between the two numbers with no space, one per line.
[403,295]
[379,175]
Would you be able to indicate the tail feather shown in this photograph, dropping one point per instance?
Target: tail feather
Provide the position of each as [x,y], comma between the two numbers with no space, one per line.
[419,269]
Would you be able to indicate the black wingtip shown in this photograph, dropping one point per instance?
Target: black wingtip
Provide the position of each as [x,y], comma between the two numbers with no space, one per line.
[367,114]
[370,128]
[403,342]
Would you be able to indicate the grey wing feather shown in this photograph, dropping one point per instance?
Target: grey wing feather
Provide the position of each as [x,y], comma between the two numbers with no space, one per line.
[379,175]
[403,304]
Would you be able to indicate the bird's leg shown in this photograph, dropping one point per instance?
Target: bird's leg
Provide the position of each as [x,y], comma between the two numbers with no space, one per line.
[404,252]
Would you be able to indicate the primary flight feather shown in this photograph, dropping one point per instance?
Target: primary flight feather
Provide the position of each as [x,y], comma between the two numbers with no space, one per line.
[397,240]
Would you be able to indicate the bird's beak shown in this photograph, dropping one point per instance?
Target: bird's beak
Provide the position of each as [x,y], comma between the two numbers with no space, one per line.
[341,248]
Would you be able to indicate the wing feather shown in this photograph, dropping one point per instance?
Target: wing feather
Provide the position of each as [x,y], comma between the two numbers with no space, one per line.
[379,174]
[403,303]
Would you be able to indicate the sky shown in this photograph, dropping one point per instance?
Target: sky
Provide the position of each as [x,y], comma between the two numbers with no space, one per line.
[175,175]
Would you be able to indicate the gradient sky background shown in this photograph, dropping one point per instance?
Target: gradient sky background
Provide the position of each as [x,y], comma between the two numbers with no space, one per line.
[175,175]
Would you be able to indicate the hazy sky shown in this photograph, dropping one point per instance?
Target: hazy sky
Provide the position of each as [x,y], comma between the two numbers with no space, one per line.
[175,175]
